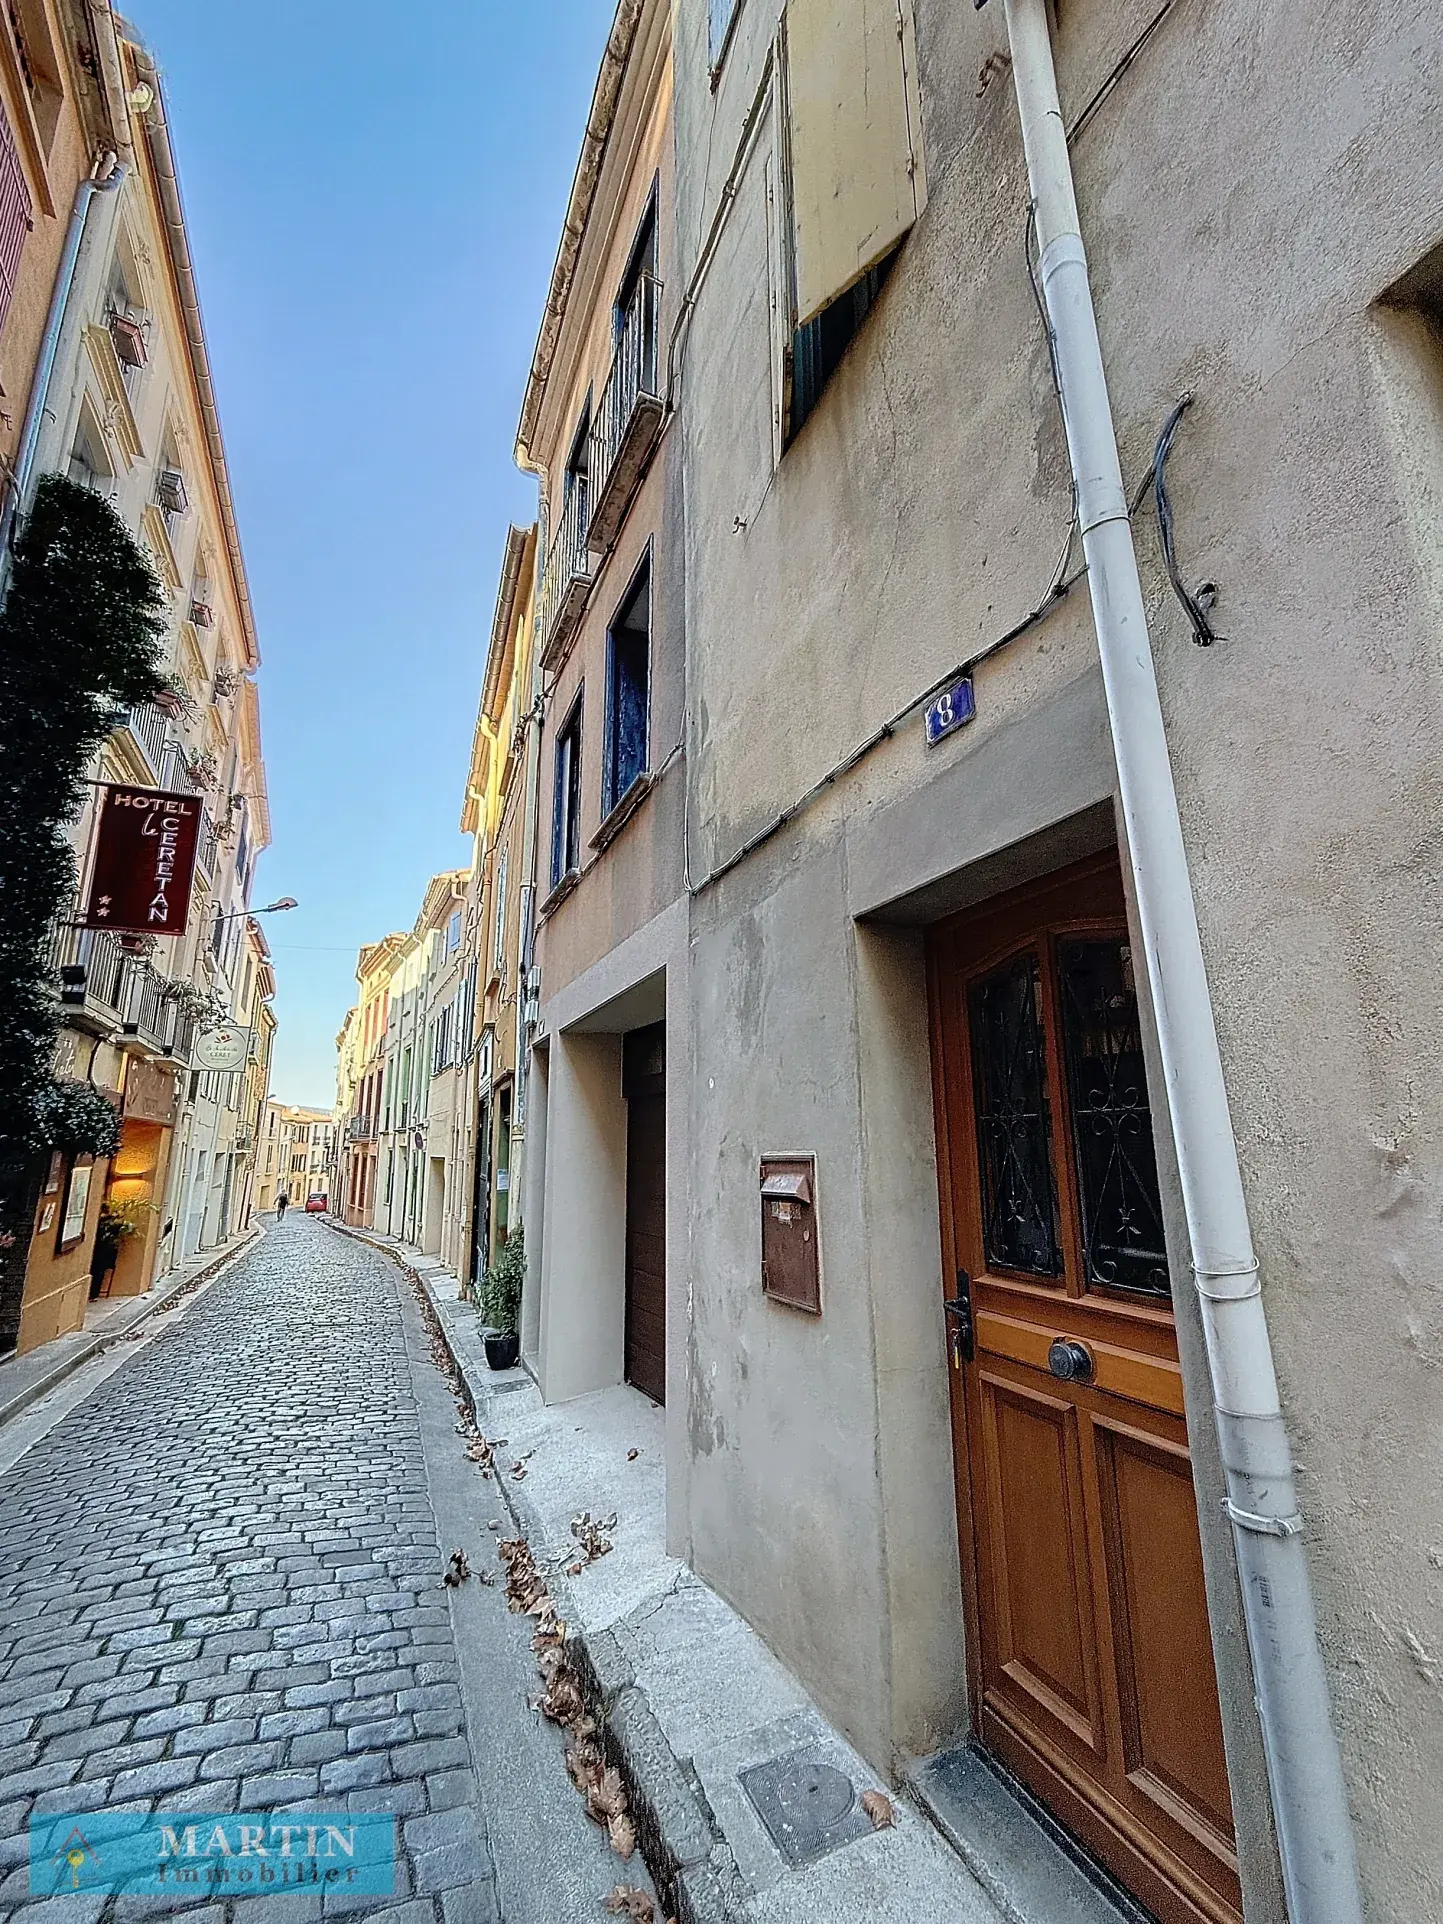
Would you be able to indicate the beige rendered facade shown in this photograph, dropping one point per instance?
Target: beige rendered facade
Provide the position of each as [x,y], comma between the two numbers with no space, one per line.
[499,812]
[142,430]
[837,1058]
[360,1078]
[63,121]
[877,495]
[605,1250]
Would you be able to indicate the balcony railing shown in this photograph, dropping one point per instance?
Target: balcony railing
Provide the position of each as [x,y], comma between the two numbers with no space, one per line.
[148,725]
[567,576]
[110,989]
[156,1020]
[94,975]
[361,1129]
[628,416]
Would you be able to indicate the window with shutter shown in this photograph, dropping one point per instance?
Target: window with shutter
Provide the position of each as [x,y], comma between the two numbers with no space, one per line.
[854,155]
[854,176]
[16,216]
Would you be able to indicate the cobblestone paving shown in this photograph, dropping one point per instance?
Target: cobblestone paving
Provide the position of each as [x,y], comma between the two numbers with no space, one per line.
[219,1590]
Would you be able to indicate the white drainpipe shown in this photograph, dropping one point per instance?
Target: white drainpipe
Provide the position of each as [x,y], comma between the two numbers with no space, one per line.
[1315,1837]
[104,178]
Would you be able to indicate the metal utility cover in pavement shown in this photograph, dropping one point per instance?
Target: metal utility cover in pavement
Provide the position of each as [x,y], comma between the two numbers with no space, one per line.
[808,1806]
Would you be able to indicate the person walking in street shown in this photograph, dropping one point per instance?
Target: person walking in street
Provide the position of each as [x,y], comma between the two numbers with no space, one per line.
[282,1203]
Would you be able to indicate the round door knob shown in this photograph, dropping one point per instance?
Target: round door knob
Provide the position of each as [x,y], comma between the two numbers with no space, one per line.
[1070,1361]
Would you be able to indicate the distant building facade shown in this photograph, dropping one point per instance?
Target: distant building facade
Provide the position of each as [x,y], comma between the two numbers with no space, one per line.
[297,1154]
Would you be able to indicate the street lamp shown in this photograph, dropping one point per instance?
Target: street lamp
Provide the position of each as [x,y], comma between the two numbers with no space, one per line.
[271,908]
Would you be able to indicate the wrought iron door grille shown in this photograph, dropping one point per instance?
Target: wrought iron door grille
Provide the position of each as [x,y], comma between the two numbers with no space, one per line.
[1019,1192]
[1117,1186]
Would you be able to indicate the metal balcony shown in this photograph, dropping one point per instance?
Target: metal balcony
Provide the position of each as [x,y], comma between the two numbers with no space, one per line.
[149,729]
[566,580]
[95,978]
[154,1018]
[628,416]
[108,990]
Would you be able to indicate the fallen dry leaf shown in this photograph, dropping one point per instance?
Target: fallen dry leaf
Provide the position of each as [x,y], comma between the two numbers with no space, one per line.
[457,1570]
[627,1901]
[608,1798]
[632,1455]
[584,1762]
[563,1703]
[622,1833]
[878,1807]
[591,1535]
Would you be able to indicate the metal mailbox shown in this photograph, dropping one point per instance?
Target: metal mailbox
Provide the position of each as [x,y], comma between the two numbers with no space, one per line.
[791,1257]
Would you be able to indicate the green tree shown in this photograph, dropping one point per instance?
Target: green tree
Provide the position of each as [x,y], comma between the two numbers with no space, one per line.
[80,644]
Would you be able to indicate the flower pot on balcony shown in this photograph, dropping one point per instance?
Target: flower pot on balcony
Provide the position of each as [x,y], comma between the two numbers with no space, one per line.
[503,1349]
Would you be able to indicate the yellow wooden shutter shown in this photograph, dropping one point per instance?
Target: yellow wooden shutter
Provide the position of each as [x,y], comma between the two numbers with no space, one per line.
[854,140]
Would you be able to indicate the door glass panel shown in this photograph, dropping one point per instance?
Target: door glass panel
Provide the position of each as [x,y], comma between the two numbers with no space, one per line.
[1019,1196]
[1122,1236]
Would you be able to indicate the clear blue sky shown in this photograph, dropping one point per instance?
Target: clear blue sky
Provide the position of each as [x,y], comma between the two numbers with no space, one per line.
[374,196]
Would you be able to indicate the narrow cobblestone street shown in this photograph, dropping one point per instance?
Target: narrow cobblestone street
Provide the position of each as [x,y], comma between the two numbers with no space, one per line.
[220,1588]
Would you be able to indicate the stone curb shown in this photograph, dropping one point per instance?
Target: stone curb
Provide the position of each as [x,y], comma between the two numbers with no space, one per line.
[43,1385]
[689,1860]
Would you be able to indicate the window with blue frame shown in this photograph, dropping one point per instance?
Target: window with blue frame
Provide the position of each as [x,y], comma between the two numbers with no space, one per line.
[628,691]
[566,799]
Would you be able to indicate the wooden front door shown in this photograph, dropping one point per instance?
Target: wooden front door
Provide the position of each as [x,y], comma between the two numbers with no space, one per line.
[1091,1663]
[644,1085]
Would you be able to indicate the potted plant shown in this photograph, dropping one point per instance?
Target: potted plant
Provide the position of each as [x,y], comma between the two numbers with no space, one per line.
[119,1221]
[174,698]
[501,1302]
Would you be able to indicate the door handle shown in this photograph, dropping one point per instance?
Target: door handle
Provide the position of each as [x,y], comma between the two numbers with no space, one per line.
[1070,1361]
[961,1329]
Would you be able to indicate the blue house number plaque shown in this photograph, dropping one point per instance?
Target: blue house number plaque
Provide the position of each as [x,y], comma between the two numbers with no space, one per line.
[951,710]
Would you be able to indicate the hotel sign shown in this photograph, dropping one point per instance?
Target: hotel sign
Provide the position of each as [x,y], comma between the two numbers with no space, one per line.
[144,858]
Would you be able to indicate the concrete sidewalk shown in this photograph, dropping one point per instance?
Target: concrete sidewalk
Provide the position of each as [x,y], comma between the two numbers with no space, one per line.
[25,1379]
[696,1707]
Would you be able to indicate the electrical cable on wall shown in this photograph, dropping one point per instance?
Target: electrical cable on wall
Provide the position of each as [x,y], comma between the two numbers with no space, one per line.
[1060,584]
[1194,606]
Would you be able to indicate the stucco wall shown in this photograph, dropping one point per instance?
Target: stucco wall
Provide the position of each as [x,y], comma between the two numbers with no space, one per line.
[637,874]
[1256,183]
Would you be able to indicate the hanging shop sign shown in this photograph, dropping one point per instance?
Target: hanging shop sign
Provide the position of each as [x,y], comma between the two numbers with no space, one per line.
[222,1050]
[144,861]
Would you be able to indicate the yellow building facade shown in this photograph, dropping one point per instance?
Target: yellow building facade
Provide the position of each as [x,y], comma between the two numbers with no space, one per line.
[125,404]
